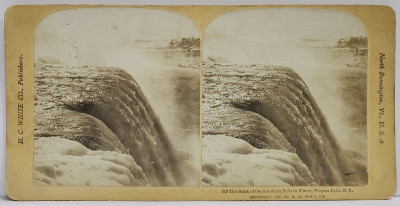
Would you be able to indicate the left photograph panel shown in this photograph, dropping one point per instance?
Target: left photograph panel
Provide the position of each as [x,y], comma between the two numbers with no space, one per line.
[116,98]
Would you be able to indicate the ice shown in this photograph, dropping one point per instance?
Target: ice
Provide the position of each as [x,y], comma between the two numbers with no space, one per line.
[228,161]
[60,161]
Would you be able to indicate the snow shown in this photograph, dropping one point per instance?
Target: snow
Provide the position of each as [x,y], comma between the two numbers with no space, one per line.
[61,161]
[228,161]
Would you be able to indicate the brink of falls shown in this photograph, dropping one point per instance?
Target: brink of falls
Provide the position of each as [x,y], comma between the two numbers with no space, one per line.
[94,126]
[271,113]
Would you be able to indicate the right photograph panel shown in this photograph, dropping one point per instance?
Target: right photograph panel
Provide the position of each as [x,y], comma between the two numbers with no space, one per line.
[284,96]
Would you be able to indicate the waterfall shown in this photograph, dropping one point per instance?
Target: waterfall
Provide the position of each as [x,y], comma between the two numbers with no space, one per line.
[104,109]
[250,112]
[271,107]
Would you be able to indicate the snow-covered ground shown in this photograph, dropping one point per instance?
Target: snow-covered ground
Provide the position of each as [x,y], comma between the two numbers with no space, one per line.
[59,161]
[228,161]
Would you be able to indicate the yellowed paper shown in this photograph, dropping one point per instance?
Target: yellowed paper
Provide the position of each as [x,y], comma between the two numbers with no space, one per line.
[200,102]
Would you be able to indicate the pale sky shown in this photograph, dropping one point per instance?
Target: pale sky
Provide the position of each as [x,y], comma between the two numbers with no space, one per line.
[90,33]
[267,35]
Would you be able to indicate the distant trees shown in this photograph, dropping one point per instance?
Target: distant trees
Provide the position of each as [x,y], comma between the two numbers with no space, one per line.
[190,44]
[185,43]
[359,44]
[353,42]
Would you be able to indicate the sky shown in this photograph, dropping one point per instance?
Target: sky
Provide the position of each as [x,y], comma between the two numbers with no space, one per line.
[271,36]
[94,36]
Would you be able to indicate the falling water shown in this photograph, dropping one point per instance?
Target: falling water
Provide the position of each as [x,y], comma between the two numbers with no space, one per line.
[272,108]
[104,109]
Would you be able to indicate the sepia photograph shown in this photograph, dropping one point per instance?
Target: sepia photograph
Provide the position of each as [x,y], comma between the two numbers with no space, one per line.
[200,102]
[116,98]
[284,99]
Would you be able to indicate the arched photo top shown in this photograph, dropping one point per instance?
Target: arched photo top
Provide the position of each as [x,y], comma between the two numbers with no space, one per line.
[80,36]
[250,34]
